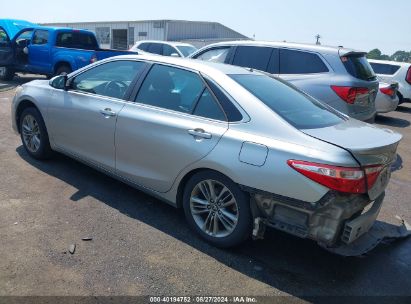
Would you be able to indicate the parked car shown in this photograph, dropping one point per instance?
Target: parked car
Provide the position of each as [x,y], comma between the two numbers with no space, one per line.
[30,48]
[233,147]
[165,48]
[340,77]
[400,72]
[387,98]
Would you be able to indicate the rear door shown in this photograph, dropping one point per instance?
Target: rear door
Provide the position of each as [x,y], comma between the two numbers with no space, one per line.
[39,52]
[174,122]
[261,58]
[6,49]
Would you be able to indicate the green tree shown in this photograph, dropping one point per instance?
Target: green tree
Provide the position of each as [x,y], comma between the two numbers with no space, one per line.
[374,54]
[401,56]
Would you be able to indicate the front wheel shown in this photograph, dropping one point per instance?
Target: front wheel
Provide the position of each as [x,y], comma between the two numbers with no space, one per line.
[217,209]
[34,134]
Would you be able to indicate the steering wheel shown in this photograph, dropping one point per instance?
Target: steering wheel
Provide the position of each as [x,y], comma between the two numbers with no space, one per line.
[115,88]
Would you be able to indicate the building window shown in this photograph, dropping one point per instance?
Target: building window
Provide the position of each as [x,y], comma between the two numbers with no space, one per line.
[103,35]
[142,34]
[158,24]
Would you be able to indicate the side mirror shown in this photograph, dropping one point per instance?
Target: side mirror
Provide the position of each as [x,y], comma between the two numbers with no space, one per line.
[26,50]
[59,82]
[175,55]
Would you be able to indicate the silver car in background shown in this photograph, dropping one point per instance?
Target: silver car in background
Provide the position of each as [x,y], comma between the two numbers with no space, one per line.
[387,98]
[340,77]
[237,149]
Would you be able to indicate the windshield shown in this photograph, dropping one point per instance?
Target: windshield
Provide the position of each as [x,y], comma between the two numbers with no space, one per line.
[186,50]
[297,108]
[357,65]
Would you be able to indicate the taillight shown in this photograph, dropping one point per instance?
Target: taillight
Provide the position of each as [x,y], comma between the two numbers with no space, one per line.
[408,77]
[342,179]
[93,59]
[349,94]
[388,91]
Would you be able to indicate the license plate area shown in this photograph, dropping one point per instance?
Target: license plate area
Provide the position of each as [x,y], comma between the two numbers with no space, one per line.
[381,182]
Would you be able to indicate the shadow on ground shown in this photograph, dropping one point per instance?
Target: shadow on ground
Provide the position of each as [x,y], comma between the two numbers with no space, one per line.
[403,109]
[17,80]
[295,266]
[392,121]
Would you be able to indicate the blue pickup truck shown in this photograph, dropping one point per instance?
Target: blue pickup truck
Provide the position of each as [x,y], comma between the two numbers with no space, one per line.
[30,48]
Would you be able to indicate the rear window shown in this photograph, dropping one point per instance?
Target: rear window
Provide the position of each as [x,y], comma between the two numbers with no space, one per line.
[358,66]
[385,69]
[298,109]
[299,62]
[76,40]
[186,50]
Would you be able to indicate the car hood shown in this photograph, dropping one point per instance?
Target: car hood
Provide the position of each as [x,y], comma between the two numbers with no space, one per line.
[369,144]
[12,27]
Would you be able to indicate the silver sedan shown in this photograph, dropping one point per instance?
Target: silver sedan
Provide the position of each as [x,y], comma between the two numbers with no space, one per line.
[236,149]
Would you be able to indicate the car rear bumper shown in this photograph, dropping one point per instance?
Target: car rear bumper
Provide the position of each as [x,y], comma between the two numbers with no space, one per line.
[385,105]
[323,221]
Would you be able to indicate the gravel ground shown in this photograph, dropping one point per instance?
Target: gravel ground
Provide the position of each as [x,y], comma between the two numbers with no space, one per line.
[141,246]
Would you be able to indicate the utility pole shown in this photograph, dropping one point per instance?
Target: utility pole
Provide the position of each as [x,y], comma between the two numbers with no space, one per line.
[318,39]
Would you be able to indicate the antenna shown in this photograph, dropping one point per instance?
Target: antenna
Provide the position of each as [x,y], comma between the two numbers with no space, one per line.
[318,36]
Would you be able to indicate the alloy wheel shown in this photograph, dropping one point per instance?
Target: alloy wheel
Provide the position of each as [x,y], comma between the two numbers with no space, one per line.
[214,208]
[31,133]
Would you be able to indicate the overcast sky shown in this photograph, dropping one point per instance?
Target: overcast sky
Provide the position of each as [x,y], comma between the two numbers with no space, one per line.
[360,24]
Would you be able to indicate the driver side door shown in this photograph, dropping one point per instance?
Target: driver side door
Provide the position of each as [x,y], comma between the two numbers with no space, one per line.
[83,118]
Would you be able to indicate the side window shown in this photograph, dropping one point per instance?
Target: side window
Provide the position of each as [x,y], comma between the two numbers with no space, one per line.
[64,40]
[208,107]
[144,46]
[214,55]
[385,69]
[233,114]
[171,88]
[253,57]
[156,48]
[110,79]
[299,62]
[3,36]
[40,37]
[86,41]
[168,50]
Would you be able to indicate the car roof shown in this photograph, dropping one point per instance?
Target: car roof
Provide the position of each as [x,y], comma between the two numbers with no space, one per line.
[173,43]
[302,46]
[390,62]
[198,65]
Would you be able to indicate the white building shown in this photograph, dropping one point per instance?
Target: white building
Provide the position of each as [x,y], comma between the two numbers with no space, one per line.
[123,34]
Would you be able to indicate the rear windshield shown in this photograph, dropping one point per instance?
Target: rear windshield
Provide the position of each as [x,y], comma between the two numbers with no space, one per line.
[385,69]
[297,108]
[186,50]
[357,65]
[77,40]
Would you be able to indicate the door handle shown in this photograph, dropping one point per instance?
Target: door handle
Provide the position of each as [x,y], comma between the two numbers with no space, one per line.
[107,112]
[199,133]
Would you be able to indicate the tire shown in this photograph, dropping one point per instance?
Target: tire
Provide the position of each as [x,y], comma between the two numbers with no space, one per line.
[210,211]
[63,69]
[400,98]
[8,74]
[35,141]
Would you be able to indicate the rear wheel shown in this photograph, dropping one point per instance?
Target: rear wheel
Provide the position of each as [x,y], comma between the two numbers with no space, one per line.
[217,209]
[63,70]
[400,98]
[34,134]
[6,73]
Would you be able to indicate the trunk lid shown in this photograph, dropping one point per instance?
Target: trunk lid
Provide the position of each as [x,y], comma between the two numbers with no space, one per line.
[368,144]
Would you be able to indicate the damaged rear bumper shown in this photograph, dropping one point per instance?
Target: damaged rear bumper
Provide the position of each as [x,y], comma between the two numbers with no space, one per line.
[341,223]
